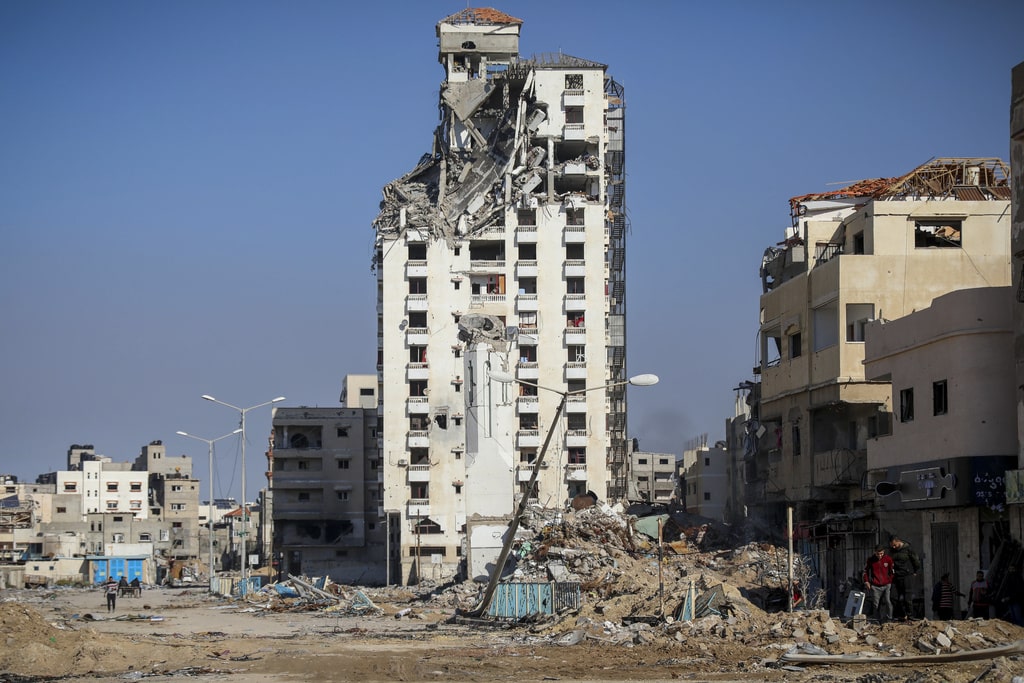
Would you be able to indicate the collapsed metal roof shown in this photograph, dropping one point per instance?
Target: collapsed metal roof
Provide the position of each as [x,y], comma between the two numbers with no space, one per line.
[964,178]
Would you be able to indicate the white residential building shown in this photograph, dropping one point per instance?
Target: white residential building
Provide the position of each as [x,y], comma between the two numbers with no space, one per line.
[502,250]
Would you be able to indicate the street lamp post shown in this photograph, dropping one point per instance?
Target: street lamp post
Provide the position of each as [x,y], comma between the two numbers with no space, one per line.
[245,510]
[209,520]
[513,526]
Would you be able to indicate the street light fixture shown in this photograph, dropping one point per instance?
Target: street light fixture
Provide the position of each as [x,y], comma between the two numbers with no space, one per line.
[245,509]
[209,520]
[513,526]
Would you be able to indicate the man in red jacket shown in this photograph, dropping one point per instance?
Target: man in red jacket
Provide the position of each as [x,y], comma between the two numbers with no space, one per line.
[878,573]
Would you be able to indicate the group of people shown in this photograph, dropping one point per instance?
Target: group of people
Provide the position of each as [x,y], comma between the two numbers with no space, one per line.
[112,588]
[889,570]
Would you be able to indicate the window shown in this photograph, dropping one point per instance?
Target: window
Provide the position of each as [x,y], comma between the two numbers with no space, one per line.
[857,316]
[574,81]
[111,504]
[880,424]
[906,405]
[795,434]
[61,509]
[576,421]
[342,432]
[418,251]
[527,217]
[707,495]
[427,526]
[662,461]
[366,391]
[641,461]
[417,388]
[858,243]
[176,525]
[417,354]
[574,114]
[343,464]
[145,537]
[417,285]
[575,285]
[303,464]
[118,538]
[795,345]
[176,488]
[135,487]
[577,456]
[342,495]
[577,353]
[419,490]
[303,496]
[826,326]
[707,462]
[940,398]
[135,505]
[941,233]
[112,486]
[177,506]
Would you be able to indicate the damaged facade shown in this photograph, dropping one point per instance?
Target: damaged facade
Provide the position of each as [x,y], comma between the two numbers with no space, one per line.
[504,247]
[853,260]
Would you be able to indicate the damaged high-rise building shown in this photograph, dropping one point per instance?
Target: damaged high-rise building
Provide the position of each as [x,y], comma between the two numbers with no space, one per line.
[502,251]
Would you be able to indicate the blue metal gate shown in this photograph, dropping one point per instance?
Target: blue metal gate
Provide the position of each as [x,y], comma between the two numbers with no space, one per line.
[518,600]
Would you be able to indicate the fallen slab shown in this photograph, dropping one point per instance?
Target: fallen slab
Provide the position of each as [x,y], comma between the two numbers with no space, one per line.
[1014,648]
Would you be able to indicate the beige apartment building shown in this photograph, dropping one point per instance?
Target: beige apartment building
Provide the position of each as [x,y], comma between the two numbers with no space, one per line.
[326,489]
[938,473]
[652,476]
[502,250]
[879,249]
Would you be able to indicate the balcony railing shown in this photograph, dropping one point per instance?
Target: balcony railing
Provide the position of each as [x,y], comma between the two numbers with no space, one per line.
[487,265]
[824,251]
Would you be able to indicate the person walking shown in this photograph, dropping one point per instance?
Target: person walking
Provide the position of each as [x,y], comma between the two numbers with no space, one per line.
[878,576]
[1012,601]
[944,596]
[978,601]
[906,565]
[110,588]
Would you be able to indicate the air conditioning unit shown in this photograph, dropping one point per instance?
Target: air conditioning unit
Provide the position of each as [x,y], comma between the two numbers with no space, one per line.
[403,462]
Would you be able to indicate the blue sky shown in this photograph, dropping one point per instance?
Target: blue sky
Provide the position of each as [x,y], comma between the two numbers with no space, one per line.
[186,189]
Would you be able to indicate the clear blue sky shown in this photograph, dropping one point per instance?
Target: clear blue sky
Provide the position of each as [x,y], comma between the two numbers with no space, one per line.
[186,189]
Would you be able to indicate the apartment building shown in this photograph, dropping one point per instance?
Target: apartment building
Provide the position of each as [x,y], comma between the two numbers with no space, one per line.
[502,250]
[326,489]
[652,476]
[938,473]
[877,250]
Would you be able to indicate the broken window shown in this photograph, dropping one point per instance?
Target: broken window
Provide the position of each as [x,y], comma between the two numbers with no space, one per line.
[528,252]
[575,217]
[528,455]
[577,353]
[529,491]
[795,345]
[940,398]
[577,456]
[937,233]
[880,424]
[857,316]
[574,81]
[417,285]
[906,405]
[527,217]
[528,389]
[528,422]
[417,251]
[771,347]
[528,285]
[574,114]
[427,526]
[419,423]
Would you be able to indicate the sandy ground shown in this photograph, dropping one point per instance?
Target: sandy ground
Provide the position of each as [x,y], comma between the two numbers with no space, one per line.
[184,634]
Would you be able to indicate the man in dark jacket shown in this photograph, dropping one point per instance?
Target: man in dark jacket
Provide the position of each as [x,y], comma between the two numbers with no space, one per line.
[906,564]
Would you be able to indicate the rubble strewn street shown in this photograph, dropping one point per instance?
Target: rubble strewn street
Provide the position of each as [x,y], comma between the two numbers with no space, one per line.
[701,617]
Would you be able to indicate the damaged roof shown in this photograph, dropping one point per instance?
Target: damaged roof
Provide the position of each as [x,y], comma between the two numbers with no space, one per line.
[558,59]
[962,178]
[480,15]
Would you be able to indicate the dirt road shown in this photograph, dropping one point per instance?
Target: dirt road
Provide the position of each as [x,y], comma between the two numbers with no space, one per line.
[184,634]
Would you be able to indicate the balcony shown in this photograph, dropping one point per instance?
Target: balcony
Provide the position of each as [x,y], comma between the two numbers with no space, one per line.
[528,405]
[481,299]
[417,336]
[576,335]
[528,438]
[418,405]
[576,438]
[526,303]
[416,302]
[576,404]
[418,371]
[418,507]
[418,473]
[487,266]
[575,472]
[574,131]
[528,335]
[575,97]
[575,302]
[527,370]
[576,370]
[575,234]
[418,439]
[415,268]
[575,268]
[526,234]
[526,268]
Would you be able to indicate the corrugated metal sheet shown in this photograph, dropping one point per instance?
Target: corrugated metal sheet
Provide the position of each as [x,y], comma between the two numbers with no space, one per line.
[1000,192]
[519,600]
[969,194]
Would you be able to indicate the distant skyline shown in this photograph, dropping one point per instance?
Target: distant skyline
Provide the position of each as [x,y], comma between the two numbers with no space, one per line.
[187,190]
